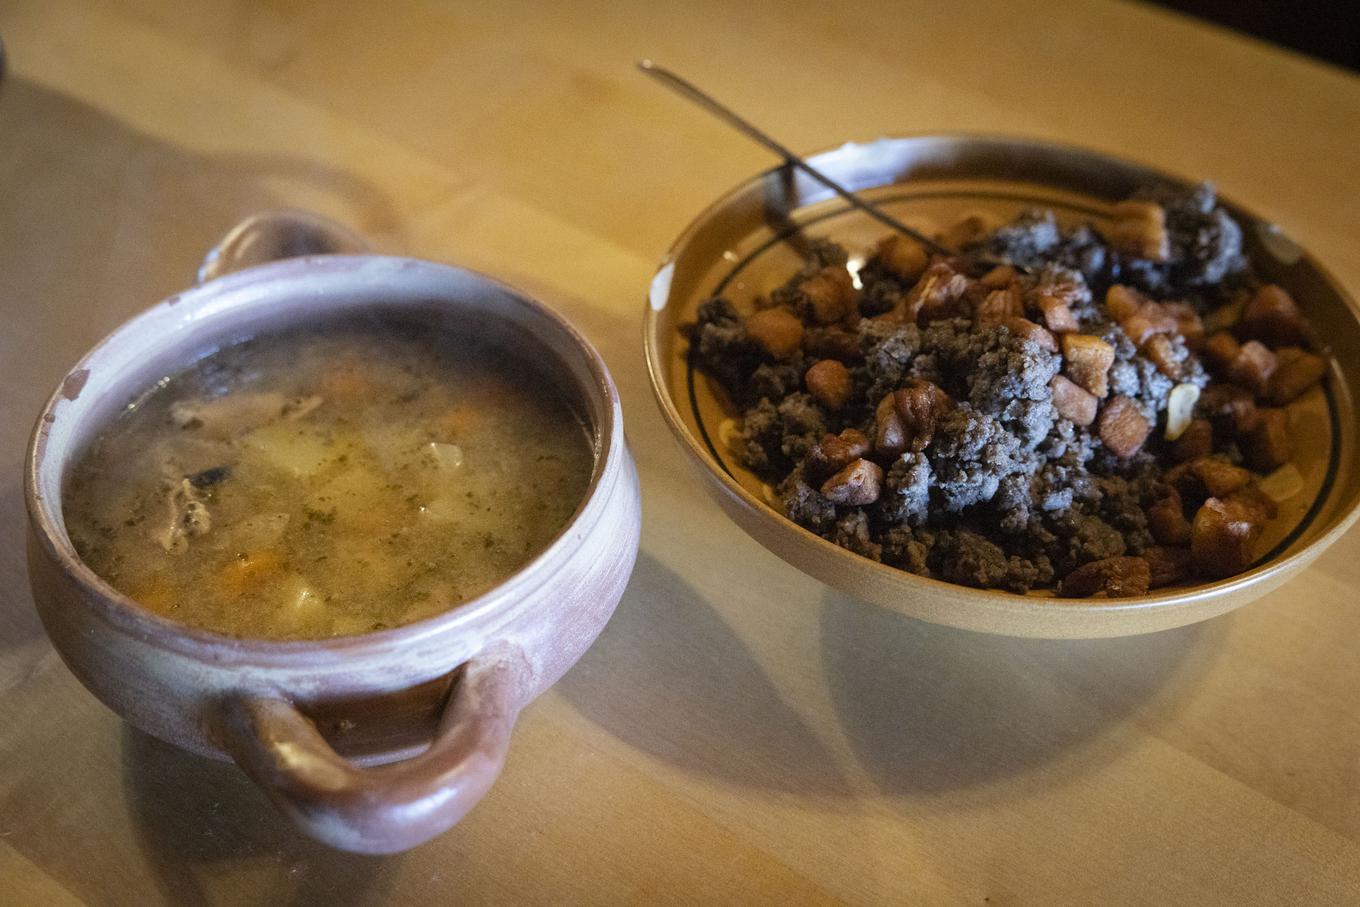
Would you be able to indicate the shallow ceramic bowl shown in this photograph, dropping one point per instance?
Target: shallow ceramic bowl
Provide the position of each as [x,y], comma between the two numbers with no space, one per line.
[312,720]
[749,242]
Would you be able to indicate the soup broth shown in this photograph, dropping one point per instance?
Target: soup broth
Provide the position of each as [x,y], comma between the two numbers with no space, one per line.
[329,482]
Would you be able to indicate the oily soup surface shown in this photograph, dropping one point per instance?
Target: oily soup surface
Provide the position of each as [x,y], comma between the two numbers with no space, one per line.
[330,482]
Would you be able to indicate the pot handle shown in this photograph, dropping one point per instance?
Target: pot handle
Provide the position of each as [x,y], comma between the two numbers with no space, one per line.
[393,807]
[274,235]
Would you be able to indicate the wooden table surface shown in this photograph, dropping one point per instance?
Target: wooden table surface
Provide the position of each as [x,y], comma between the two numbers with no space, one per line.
[740,733]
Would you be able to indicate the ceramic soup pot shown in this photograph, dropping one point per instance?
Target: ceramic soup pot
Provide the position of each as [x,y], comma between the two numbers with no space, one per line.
[375,742]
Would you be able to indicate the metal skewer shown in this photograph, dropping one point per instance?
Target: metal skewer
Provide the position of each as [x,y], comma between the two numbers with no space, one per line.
[686,89]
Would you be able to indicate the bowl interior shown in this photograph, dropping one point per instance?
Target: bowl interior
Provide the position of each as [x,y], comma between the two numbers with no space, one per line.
[174,333]
[751,241]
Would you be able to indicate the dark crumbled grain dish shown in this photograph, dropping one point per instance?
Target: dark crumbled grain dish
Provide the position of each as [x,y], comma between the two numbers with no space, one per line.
[1089,409]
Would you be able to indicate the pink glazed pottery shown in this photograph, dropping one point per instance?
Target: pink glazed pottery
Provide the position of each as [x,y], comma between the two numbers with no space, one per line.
[371,743]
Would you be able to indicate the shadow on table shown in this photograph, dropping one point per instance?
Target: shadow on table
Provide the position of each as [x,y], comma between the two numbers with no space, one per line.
[101,220]
[201,822]
[668,676]
[931,709]
[23,646]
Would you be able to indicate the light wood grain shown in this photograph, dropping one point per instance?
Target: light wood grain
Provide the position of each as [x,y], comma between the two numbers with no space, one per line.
[739,733]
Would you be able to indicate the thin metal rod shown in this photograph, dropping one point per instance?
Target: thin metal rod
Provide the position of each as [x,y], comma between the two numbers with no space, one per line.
[686,89]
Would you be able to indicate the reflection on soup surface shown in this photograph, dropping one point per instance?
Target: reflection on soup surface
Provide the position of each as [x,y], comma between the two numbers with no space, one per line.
[329,482]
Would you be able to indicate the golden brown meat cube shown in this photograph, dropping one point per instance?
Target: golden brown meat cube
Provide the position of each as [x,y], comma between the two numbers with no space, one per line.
[1122,301]
[1253,367]
[1071,290]
[1057,316]
[1000,277]
[1087,361]
[1122,428]
[919,406]
[835,452]
[1138,209]
[890,435]
[936,294]
[1196,441]
[1188,323]
[1162,352]
[905,258]
[1221,350]
[1223,537]
[829,383]
[830,295]
[850,443]
[1139,230]
[1028,330]
[1232,409]
[1073,402]
[856,485]
[1272,316]
[1298,370]
[1219,477]
[1113,577]
[1167,564]
[1268,445]
[998,305]
[1167,522]
[1148,321]
[777,330]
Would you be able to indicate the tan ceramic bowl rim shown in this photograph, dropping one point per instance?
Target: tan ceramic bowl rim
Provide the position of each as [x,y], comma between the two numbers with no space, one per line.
[994,598]
[124,613]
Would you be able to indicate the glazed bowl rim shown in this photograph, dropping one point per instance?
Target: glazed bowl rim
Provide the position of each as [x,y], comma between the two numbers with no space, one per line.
[126,615]
[994,600]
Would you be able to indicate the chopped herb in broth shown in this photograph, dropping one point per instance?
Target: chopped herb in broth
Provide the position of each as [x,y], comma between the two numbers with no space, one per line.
[304,485]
